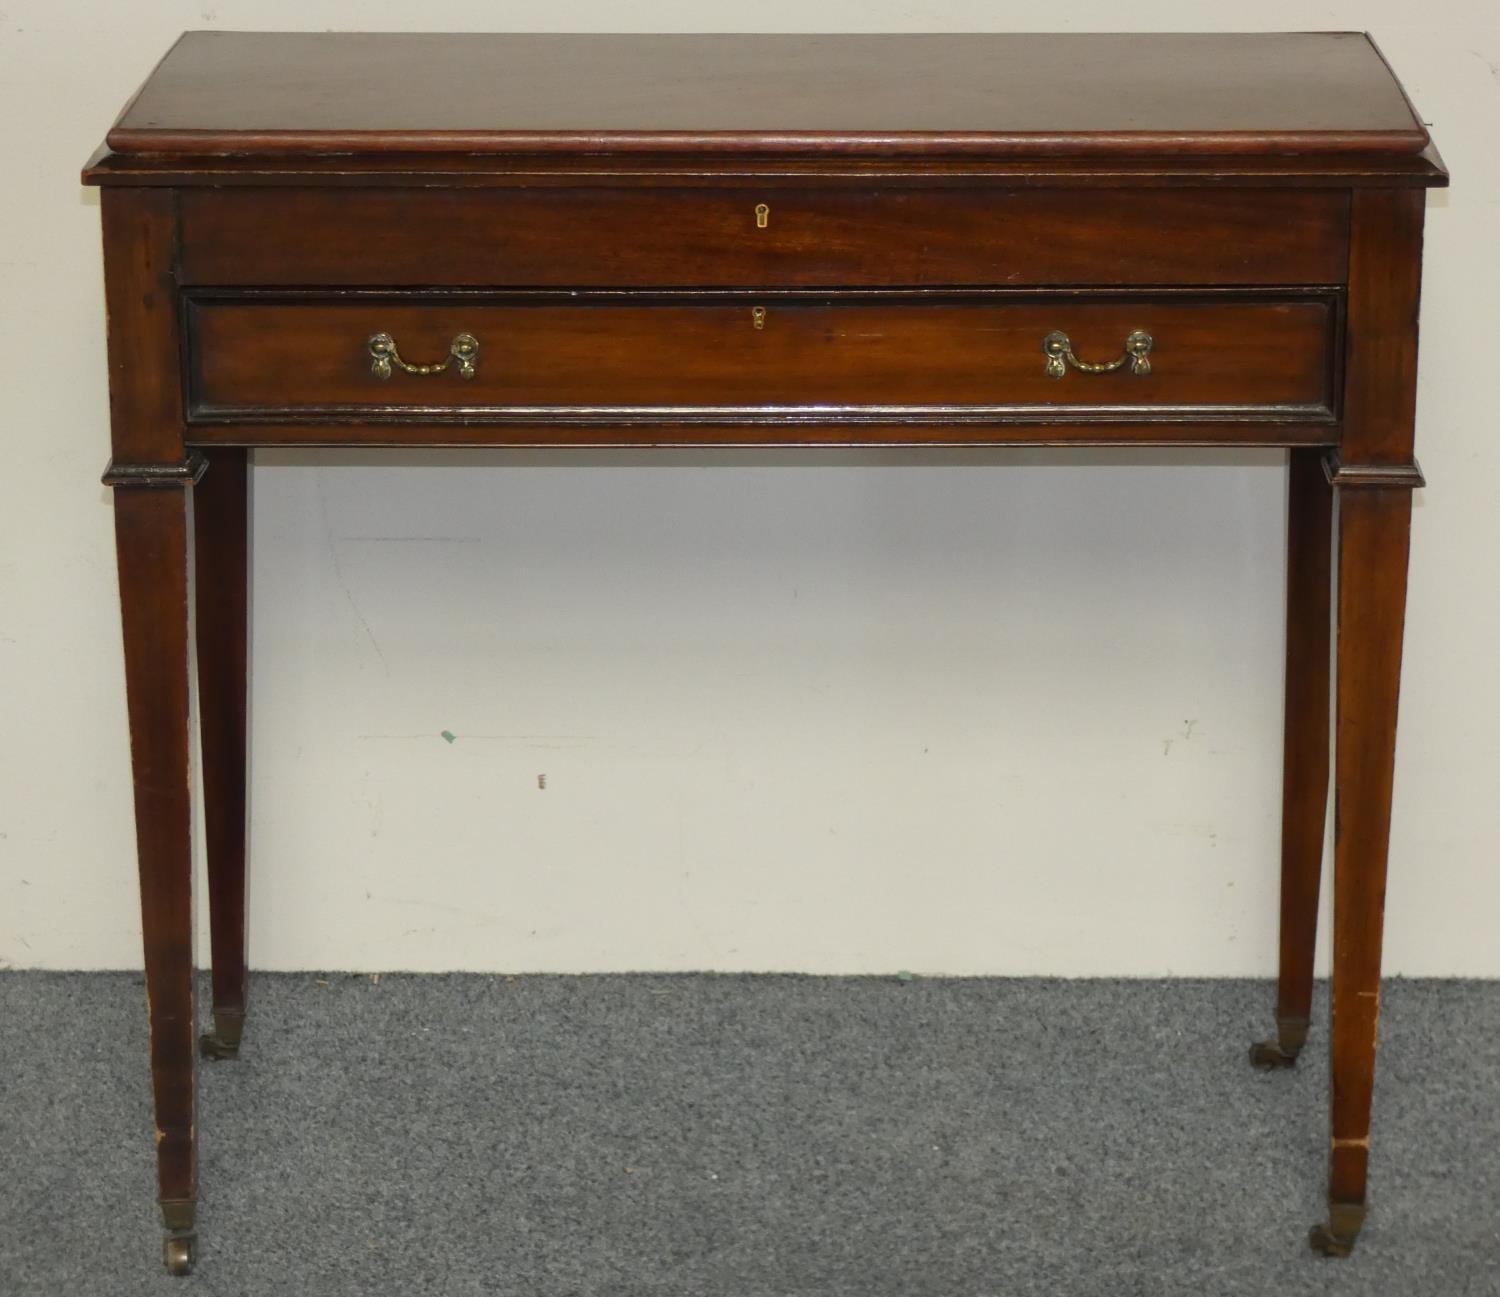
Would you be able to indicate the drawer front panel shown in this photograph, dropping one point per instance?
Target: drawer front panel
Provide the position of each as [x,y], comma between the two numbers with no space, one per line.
[763,237]
[614,357]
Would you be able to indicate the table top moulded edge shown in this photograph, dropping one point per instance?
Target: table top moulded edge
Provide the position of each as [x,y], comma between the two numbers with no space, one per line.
[1392,147]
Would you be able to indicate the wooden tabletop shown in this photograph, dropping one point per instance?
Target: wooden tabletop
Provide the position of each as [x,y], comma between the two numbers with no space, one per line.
[1000,96]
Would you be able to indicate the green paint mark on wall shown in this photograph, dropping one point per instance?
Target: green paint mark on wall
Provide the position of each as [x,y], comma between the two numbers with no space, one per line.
[450,736]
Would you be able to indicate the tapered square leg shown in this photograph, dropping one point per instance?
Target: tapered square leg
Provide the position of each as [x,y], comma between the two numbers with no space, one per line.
[221,589]
[151,529]
[1304,770]
[1374,535]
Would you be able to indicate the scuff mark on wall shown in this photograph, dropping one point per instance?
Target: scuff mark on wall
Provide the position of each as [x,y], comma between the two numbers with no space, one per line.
[338,573]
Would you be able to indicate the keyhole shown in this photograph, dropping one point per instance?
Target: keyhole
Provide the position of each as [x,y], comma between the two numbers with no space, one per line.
[758,316]
[762,216]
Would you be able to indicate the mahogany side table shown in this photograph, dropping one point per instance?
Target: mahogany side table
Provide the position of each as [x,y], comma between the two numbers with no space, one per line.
[485,240]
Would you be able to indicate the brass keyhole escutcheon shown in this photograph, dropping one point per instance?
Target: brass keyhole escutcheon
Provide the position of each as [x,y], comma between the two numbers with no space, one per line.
[762,216]
[758,316]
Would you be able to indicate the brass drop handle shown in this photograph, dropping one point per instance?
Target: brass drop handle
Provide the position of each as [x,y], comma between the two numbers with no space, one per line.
[1060,355]
[462,351]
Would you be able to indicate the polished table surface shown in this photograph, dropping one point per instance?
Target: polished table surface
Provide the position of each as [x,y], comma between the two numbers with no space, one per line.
[960,240]
[314,92]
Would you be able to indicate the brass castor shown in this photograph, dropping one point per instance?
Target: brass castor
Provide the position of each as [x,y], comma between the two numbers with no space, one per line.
[1325,1242]
[180,1251]
[1336,1238]
[1269,1056]
[1272,1055]
[224,1040]
[213,1046]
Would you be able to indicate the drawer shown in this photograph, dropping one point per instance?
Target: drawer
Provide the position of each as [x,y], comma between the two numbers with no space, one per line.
[614,357]
[763,236]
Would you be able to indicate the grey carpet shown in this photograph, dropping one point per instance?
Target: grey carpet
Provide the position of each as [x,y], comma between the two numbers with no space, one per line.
[744,1137]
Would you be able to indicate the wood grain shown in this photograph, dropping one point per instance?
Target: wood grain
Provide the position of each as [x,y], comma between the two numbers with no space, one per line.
[1076,427]
[517,170]
[985,94]
[605,237]
[839,354]
[1385,287]
[221,524]
[151,533]
[140,295]
[1374,471]
[1374,531]
[1308,726]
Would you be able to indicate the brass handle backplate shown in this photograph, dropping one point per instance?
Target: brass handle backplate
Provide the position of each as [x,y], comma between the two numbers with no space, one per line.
[463,351]
[1060,355]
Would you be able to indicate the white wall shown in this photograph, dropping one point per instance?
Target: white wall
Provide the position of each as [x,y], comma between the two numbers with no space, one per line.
[980,713]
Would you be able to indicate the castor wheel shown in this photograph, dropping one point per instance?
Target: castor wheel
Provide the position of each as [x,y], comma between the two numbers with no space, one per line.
[1269,1056]
[214,1047]
[180,1253]
[1273,1055]
[224,1040]
[1336,1238]
[1326,1243]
